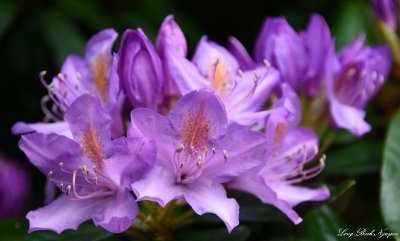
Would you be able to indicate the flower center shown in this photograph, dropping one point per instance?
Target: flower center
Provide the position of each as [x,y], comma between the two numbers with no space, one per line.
[354,87]
[292,167]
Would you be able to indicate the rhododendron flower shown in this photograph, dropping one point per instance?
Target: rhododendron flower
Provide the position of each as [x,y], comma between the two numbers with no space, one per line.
[94,74]
[362,71]
[212,66]
[292,148]
[93,172]
[197,152]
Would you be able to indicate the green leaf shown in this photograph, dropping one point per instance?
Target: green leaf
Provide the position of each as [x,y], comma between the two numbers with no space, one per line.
[17,229]
[320,224]
[390,176]
[8,12]
[359,158]
[240,233]
[339,190]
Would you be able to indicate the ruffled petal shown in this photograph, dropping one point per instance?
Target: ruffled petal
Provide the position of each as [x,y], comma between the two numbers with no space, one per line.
[252,183]
[117,214]
[158,186]
[61,214]
[208,197]
[296,194]
[146,123]
[60,128]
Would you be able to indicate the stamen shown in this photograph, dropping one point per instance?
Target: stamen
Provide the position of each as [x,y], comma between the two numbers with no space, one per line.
[68,190]
[49,174]
[226,155]
[374,75]
[180,148]
[363,73]
[351,72]
[316,149]
[381,79]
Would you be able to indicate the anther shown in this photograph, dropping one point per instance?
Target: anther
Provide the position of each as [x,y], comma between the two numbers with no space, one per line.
[180,148]
[61,77]
[316,149]
[213,151]
[68,189]
[267,64]
[49,174]
[351,72]
[61,164]
[191,148]
[199,161]
[62,187]
[381,79]
[374,75]
[226,155]
[95,179]
[372,87]
[363,73]
[240,72]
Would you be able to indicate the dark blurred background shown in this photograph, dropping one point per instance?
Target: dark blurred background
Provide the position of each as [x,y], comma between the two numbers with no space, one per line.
[38,35]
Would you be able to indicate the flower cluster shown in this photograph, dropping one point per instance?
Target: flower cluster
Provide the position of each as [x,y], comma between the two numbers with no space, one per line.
[148,123]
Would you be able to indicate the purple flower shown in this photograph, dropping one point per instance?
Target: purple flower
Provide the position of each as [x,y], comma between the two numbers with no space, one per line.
[362,71]
[280,44]
[14,188]
[93,172]
[292,149]
[387,11]
[94,74]
[197,152]
[212,66]
[140,70]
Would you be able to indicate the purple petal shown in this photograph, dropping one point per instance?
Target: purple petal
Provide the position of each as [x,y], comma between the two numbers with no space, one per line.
[88,121]
[207,197]
[46,151]
[60,128]
[320,46]
[140,70]
[61,214]
[171,34]
[240,52]
[348,53]
[349,118]
[99,58]
[296,194]
[183,72]
[246,149]
[148,124]
[283,48]
[158,186]
[252,183]
[199,113]
[117,214]
[170,38]
[291,101]
[131,159]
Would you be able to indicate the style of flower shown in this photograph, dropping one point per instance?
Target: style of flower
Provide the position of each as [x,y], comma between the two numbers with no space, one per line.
[197,152]
[212,66]
[94,74]
[361,73]
[292,149]
[93,172]
[14,188]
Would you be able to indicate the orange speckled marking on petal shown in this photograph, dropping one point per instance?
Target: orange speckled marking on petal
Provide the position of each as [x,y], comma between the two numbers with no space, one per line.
[195,128]
[280,132]
[99,71]
[92,146]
